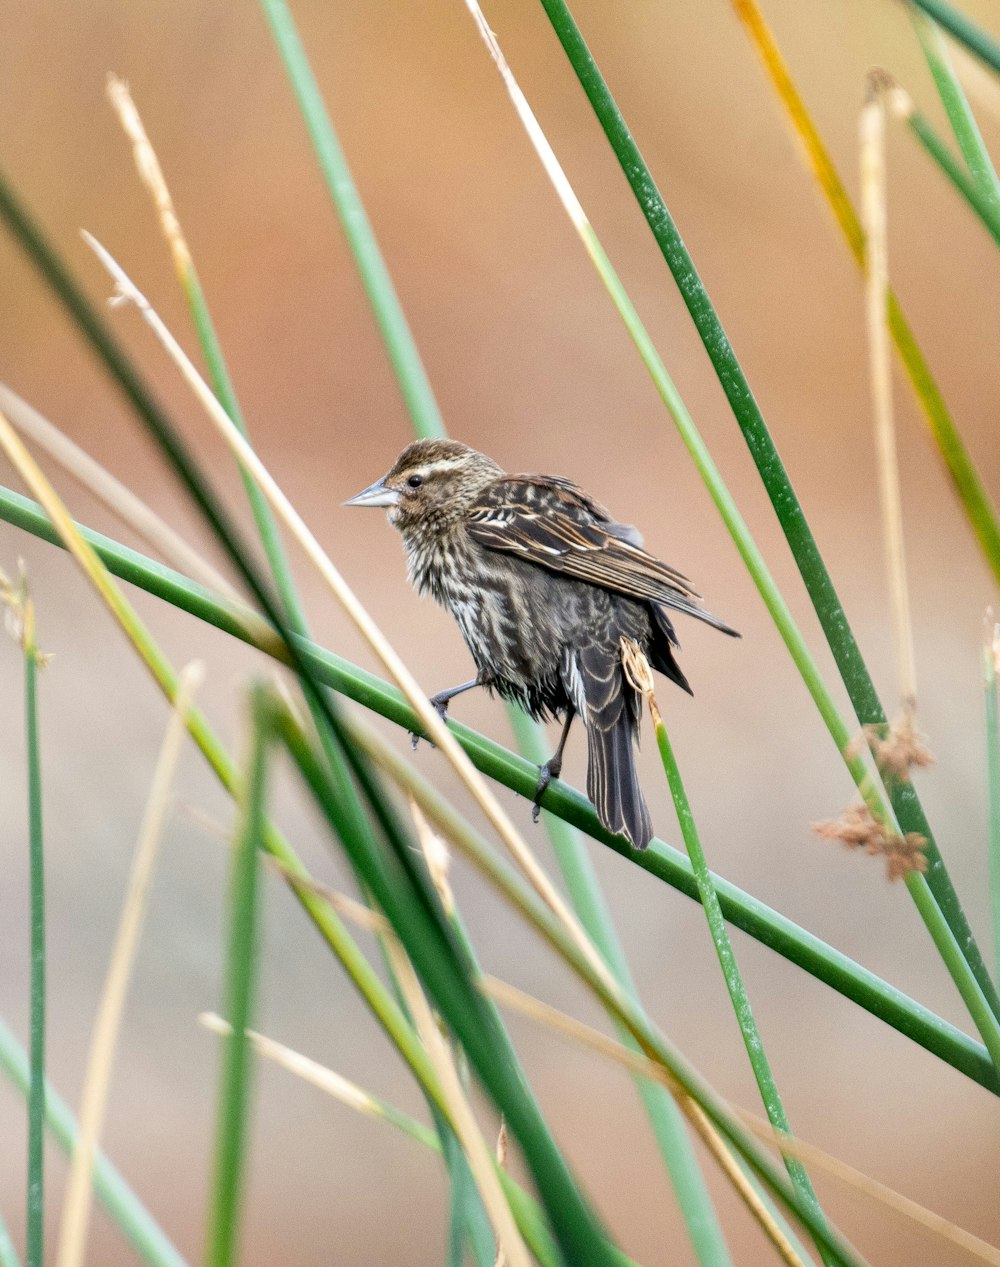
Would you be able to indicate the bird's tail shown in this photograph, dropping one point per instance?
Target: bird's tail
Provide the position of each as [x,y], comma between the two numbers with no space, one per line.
[612,720]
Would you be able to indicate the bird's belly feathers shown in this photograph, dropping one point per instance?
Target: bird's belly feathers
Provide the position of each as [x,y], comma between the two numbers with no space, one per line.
[508,624]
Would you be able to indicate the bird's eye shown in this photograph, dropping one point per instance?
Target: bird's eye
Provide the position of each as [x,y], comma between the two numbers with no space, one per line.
[415,481]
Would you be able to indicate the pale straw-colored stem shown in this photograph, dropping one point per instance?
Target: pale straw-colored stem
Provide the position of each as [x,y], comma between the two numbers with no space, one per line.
[150,172]
[579,1032]
[126,290]
[119,499]
[326,1080]
[874,218]
[93,1101]
[464,1122]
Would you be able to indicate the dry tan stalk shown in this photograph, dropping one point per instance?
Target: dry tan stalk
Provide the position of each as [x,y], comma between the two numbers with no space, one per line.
[119,499]
[791,1146]
[874,219]
[727,1162]
[311,1071]
[637,1063]
[377,641]
[464,1123]
[436,854]
[77,1206]
[19,613]
[150,172]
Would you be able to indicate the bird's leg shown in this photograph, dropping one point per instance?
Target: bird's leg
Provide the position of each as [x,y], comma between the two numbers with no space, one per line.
[553,767]
[443,699]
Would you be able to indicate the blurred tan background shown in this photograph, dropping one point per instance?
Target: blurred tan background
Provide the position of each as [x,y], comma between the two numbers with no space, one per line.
[530,362]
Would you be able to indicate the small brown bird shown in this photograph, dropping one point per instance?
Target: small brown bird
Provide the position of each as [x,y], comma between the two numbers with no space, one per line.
[544,585]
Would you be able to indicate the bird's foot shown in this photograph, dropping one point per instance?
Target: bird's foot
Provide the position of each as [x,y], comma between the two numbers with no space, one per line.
[440,703]
[549,771]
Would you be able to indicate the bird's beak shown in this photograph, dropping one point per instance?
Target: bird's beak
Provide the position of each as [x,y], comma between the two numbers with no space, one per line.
[375,495]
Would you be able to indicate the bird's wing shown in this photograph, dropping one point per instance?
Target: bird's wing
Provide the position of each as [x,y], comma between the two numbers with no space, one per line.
[552,523]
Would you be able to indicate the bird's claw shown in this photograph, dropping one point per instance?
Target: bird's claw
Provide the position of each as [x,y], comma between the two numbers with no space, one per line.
[441,708]
[546,774]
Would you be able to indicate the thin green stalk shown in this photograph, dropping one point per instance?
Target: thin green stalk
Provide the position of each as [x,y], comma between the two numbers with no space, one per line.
[241,975]
[956,963]
[975,39]
[133,1219]
[467,1222]
[817,580]
[966,982]
[419,922]
[741,909]
[467,1212]
[324,917]
[981,203]
[960,116]
[403,891]
[756,1052]
[35,1248]
[427,422]
[406,362]
[669,1129]
[993,787]
[8,1254]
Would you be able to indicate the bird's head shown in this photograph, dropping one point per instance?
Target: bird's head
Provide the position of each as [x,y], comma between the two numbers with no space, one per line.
[430,486]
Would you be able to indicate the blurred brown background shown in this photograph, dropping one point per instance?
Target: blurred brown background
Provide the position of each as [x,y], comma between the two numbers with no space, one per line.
[531,363]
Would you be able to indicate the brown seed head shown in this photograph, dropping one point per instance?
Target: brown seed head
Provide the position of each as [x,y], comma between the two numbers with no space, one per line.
[857,828]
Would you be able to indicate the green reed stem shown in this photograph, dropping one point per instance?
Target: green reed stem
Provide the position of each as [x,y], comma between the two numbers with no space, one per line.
[741,909]
[956,104]
[415,915]
[949,947]
[756,1052]
[993,790]
[8,1254]
[668,1125]
[981,202]
[35,1240]
[975,39]
[403,891]
[427,422]
[136,1223]
[241,974]
[388,312]
[465,1197]
[773,475]
[956,963]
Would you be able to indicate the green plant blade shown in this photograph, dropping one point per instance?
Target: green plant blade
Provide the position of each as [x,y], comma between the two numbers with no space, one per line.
[981,203]
[406,362]
[409,902]
[668,864]
[675,1146]
[772,471]
[35,1255]
[241,973]
[136,1223]
[960,116]
[975,39]
[756,1052]
[992,711]
[8,1254]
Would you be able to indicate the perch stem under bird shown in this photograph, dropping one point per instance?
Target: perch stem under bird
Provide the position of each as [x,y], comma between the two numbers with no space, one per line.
[544,584]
